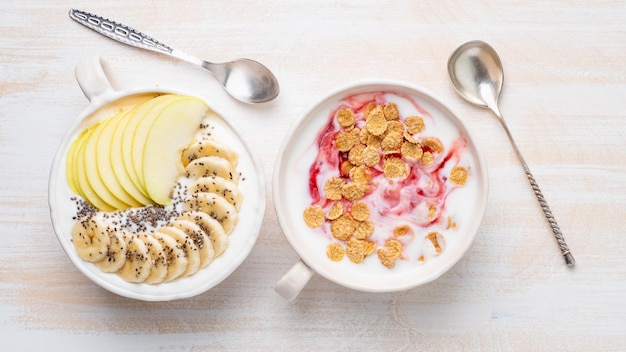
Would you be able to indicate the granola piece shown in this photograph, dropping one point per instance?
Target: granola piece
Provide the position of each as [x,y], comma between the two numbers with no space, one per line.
[343,227]
[333,188]
[335,252]
[433,144]
[344,141]
[458,175]
[371,156]
[392,141]
[411,151]
[313,216]
[360,211]
[361,174]
[345,117]
[363,230]
[376,123]
[353,191]
[391,111]
[335,211]
[414,124]
[395,168]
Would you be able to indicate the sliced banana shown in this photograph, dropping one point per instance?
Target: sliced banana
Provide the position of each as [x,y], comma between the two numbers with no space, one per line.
[115,255]
[175,256]
[209,147]
[220,186]
[212,228]
[200,239]
[212,166]
[91,239]
[158,258]
[186,244]
[216,206]
[138,264]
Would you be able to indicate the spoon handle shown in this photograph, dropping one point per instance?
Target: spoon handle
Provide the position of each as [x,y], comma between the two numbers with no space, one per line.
[569,258]
[119,32]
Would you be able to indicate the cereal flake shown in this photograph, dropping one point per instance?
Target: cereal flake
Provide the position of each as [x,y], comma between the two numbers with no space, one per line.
[458,175]
[313,216]
[335,252]
[333,187]
[395,168]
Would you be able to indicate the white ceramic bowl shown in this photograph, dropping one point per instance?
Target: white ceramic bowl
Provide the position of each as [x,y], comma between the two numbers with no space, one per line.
[291,197]
[94,80]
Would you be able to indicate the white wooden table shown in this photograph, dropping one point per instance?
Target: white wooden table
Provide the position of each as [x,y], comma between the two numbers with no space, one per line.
[564,100]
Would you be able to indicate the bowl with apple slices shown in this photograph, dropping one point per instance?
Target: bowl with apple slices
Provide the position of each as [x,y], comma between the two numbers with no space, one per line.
[153,194]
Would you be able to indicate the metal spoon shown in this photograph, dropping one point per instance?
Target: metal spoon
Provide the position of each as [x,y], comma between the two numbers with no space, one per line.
[476,73]
[245,80]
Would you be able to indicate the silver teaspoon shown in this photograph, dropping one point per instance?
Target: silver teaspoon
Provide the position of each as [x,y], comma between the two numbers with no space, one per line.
[244,79]
[477,75]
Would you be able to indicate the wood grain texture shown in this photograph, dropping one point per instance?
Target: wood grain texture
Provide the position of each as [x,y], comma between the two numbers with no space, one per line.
[565,83]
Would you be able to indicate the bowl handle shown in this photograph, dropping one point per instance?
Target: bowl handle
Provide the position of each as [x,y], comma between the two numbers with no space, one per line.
[94,78]
[290,285]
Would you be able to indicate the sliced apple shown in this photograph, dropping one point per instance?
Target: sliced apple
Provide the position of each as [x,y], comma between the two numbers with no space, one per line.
[103,161]
[81,176]
[128,130]
[70,163]
[172,131]
[117,161]
[143,127]
[91,170]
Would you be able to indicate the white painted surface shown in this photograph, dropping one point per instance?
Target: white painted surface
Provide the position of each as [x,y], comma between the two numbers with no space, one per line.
[563,99]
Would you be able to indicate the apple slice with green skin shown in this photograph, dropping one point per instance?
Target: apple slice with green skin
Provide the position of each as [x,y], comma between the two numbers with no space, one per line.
[81,176]
[103,161]
[117,162]
[91,170]
[70,163]
[143,127]
[172,131]
[128,128]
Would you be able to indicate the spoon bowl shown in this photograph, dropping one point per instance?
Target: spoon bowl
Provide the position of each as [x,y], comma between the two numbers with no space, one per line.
[476,72]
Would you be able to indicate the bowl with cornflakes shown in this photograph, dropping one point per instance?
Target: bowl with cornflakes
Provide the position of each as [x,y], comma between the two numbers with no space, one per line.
[154,195]
[378,187]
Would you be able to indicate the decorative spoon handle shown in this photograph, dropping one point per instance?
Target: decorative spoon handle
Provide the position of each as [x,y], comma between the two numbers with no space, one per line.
[569,258]
[119,32]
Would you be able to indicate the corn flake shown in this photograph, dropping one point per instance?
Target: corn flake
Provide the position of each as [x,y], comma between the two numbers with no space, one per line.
[360,211]
[433,144]
[344,141]
[353,191]
[411,151]
[343,227]
[437,239]
[367,109]
[427,158]
[363,230]
[391,111]
[357,250]
[409,137]
[361,174]
[392,141]
[345,117]
[333,188]
[395,168]
[335,252]
[395,126]
[371,156]
[345,168]
[335,211]
[376,123]
[402,230]
[458,175]
[313,216]
[355,156]
[414,124]
[390,253]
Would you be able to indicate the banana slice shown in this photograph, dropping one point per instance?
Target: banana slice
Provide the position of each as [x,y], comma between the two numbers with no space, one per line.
[200,239]
[157,256]
[216,206]
[174,254]
[218,185]
[115,255]
[211,227]
[91,239]
[212,166]
[186,244]
[138,264]
[209,147]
